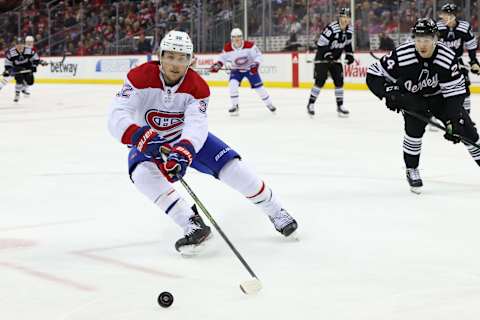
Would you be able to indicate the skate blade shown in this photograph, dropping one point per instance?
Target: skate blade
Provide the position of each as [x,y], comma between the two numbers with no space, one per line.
[342,115]
[194,250]
[416,190]
[234,114]
[432,129]
[251,286]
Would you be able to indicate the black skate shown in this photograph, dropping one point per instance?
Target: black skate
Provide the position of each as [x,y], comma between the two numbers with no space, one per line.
[233,111]
[26,93]
[271,107]
[342,112]
[414,180]
[284,223]
[311,109]
[17,96]
[193,240]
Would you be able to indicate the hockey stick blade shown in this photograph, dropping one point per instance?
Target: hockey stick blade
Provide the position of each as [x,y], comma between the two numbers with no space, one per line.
[251,286]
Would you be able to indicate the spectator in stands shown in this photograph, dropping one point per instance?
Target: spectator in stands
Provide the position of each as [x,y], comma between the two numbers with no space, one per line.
[144,46]
[386,43]
[292,43]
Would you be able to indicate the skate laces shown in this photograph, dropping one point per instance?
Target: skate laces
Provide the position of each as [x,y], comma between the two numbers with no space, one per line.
[281,219]
[191,227]
[414,174]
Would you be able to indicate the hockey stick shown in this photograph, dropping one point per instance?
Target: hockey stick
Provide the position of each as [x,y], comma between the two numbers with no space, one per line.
[248,287]
[436,125]
[374,56]
[46,63]
[207,68]
[323,61]
[7,79]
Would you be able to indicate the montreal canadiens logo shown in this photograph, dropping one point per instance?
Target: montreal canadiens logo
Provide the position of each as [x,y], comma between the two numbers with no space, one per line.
[164,121]
[240,61]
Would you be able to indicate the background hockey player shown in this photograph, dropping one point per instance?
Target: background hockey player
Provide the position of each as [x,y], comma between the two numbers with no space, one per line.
[457,35]
[334,40]
[244,59]
[165,104]
[21,62]
[423,76]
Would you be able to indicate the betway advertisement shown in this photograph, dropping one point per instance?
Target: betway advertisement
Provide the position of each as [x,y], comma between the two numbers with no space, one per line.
[277,70]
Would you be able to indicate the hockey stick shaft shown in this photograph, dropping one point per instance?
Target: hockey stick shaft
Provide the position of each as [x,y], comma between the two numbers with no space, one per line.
[217,227]
[436,125]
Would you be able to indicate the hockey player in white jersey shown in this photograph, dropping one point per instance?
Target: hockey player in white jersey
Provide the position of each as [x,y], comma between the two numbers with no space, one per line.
[164,103]
[244,58]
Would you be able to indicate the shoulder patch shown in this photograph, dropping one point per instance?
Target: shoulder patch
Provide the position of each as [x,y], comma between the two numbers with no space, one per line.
[228,47]
[194,85]
[248,44]
[145,76]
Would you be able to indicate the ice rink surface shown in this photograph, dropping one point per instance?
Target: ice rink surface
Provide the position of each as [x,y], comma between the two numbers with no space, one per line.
[78,242]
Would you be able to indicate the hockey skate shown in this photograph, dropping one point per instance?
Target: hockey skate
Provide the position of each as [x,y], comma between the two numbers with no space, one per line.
[342,112]
[233,111]
[414,180]
[271,107]
[284,223]
[26,93]
[311,109]
[17,96]
[196,234]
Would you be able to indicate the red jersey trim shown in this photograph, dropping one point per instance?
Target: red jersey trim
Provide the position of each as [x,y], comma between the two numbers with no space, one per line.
[145,76]
[194,85]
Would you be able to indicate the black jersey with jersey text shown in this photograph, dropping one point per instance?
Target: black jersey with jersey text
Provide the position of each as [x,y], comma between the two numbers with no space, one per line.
[459,37]
[334,40]
[27,59]
[436,75]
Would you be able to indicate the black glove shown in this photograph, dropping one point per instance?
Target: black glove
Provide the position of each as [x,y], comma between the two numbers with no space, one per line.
[6,73]
[34,69]
[328,57]
[454,130]
[394,98]
[350,59]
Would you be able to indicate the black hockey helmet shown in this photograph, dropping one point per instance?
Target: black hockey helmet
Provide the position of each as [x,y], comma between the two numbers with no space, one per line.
[424,26]
[450,8]
[344,12]
[18,40]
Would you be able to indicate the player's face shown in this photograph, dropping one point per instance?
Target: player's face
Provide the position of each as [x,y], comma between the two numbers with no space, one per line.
[425,45]
[237,41]
[447,18]
[29,44]
[19,47]
[344,21]
[174,65]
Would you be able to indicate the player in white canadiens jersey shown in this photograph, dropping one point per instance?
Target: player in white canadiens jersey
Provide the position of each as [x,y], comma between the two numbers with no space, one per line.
[244,58]
[164,103]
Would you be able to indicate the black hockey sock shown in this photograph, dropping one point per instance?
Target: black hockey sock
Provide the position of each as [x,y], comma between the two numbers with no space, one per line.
[314,94]
[411,161]
[339,96]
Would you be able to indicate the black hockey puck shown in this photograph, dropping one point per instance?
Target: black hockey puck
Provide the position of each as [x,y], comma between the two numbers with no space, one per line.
[165,299]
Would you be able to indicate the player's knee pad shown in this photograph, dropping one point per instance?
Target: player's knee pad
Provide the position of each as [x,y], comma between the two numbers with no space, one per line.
[238,175]
[150,181]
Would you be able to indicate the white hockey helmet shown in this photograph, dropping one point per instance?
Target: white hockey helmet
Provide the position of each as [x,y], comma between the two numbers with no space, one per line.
[29,39]
[177,41]
[236,32]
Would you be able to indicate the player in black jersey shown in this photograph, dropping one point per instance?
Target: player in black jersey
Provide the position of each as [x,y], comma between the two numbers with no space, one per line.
[423,76]
[457,35]
[21,62]
[335,38]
